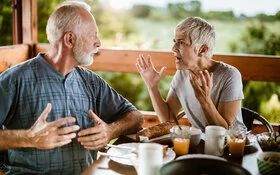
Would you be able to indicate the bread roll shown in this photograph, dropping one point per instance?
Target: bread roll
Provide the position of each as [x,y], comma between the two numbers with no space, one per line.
[156,131]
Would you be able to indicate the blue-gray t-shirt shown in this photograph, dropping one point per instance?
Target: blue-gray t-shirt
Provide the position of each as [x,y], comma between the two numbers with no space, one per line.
[27,88]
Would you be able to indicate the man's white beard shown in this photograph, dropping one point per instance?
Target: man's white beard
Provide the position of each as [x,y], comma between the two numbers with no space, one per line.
[82,57]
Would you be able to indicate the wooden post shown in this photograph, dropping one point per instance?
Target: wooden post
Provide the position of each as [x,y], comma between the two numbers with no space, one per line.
[17,22]
[29,22]
[25,25]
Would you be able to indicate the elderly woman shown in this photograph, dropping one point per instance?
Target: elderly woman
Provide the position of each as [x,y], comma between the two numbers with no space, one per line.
[210,92]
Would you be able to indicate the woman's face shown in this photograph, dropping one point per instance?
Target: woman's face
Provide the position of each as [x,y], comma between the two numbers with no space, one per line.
[184,51]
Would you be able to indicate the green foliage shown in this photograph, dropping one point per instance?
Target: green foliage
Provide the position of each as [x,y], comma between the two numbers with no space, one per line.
[184,9]
[221,15]
[132,87]
[44,11]
[265,18]
[141,11]
[277,15]
[6,23]
[259,40]
[256,92]
[271,108]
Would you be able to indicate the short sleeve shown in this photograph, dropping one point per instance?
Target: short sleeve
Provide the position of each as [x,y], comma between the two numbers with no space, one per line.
[233,87]
[172,91]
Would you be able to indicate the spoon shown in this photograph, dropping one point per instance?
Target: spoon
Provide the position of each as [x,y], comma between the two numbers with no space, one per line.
[248,132]
[177,123]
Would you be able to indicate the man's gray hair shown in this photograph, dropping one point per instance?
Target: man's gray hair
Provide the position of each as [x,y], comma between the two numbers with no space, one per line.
[200,32]
[66,17]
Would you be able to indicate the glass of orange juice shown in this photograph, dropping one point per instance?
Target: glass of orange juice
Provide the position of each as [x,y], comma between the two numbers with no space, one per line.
[181,140]
[237,143]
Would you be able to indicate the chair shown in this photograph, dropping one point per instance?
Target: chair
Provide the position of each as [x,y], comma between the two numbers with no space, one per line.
[3,160]
[249,116]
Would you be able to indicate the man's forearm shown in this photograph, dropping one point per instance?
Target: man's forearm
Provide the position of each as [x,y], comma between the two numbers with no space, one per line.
[130,123]
[10,139]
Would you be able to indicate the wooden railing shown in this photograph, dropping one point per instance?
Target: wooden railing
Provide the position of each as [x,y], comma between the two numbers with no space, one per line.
[252,67]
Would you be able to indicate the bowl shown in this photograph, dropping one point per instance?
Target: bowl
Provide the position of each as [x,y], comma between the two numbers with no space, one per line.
[201,165]
[194,132]
[269,163]
[269,141]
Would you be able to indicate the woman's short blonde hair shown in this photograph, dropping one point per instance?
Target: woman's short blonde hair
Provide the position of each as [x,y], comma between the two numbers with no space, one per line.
[200,32]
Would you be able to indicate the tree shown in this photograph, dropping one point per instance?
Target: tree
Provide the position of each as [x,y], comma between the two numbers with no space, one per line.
[6,27]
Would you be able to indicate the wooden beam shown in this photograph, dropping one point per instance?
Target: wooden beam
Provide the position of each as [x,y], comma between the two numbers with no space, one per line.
[252,67]
[12,55]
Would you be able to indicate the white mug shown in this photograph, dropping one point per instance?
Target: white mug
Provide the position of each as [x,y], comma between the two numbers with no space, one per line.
[214,140]
[150,158]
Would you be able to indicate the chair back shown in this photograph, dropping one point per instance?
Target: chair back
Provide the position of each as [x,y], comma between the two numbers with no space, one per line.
[3,159]
[249,116]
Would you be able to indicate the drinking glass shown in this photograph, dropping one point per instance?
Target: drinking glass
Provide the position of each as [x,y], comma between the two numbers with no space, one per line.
[237,142]
[181,140]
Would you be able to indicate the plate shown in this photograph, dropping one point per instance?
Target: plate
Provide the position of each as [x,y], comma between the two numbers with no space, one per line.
[252,140]
[170,154]
[163,140]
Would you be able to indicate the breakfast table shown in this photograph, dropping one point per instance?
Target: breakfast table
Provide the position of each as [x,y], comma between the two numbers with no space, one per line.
[104,164]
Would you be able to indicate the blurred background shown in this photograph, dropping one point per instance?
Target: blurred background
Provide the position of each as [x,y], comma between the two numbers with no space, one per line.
[242,27]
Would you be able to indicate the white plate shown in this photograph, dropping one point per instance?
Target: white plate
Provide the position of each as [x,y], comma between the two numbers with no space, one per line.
[198,156]
[252,139]
[170,154]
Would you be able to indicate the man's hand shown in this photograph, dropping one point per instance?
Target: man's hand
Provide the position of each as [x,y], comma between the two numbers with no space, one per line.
[96,137]
[49,135]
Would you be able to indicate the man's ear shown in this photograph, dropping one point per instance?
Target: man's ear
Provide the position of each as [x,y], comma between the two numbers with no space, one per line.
[203,50]
[69,39]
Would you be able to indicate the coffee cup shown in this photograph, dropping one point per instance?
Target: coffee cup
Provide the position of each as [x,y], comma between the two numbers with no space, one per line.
[215,137]
[150,158]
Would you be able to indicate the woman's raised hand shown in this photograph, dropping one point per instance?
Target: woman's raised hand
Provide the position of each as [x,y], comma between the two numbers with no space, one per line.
[148,72]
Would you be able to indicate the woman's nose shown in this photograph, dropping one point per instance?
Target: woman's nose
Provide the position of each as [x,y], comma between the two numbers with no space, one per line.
[174,48]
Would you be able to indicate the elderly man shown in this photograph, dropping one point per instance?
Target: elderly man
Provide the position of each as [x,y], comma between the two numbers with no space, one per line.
[81,112]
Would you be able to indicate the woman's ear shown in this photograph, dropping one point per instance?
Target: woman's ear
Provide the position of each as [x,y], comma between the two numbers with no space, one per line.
[203,50]
[69,39]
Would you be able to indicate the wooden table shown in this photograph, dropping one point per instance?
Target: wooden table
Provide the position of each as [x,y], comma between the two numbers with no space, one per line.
[103,165]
